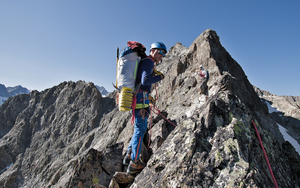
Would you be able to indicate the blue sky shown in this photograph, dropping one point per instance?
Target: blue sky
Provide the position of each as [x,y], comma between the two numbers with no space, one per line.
[43,43]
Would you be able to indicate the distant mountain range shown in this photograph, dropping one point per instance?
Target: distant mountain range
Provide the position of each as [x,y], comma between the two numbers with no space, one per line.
[102,90]
[6,92]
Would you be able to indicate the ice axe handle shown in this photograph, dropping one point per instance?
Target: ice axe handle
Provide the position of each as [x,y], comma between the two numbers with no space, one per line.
[116,86]
[117,53]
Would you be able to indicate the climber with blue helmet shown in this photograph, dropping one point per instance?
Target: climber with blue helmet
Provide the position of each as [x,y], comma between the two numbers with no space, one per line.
[159,46]
[146,76]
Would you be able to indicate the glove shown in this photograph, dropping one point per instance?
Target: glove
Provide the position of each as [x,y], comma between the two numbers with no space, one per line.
[157,72]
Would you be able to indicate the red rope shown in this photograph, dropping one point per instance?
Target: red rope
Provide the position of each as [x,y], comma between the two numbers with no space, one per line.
[262,147]
[159,113]
[156,92]
[150,129]
[133,105]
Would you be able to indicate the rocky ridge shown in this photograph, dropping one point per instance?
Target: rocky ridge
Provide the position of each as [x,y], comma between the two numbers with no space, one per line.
[70,136]
[287,111]
[293,99]
[5,93]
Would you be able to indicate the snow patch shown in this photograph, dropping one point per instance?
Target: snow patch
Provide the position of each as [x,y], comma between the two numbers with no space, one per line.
[283,130]
[271,108]
[287,137]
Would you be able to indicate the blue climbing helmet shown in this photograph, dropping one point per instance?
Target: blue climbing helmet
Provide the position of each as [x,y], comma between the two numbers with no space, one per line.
[159,45]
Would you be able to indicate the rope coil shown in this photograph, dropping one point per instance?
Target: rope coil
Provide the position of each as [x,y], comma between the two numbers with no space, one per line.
[125,99]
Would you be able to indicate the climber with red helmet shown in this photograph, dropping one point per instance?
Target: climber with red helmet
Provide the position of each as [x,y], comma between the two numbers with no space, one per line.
[204,76]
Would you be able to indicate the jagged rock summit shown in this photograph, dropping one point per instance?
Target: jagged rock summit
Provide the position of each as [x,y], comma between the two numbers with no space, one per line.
[70,136]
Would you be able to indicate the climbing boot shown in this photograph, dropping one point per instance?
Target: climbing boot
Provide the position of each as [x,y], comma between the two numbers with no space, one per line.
[135,167]
[127,158]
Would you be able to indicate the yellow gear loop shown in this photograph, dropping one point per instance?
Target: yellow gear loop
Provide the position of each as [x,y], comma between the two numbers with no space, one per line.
[125,99]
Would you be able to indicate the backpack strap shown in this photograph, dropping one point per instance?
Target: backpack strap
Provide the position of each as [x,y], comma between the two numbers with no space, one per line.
[138,85]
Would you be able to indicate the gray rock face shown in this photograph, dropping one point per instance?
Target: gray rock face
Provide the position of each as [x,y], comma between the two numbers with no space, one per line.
[293,99]
[99,165]
[70,136]
[45,130]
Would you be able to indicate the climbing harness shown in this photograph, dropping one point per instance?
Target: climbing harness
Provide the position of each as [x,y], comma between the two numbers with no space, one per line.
[265,154]
[129,94]
[137,104]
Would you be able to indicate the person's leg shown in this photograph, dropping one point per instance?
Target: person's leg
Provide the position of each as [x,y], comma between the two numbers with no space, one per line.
[140,127]
[127,157]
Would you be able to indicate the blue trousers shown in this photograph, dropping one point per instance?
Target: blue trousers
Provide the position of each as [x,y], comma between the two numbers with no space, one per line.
[140,128]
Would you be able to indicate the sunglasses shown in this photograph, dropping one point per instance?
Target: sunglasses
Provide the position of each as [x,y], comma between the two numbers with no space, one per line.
[161,52]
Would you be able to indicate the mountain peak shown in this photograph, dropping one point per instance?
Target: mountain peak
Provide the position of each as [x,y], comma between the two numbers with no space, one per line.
[70,135]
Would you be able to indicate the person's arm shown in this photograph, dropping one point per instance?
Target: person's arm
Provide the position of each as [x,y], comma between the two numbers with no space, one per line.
[147,79]
[205,74]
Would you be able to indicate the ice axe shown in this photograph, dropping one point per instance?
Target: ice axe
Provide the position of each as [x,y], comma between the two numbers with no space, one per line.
[116,86]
